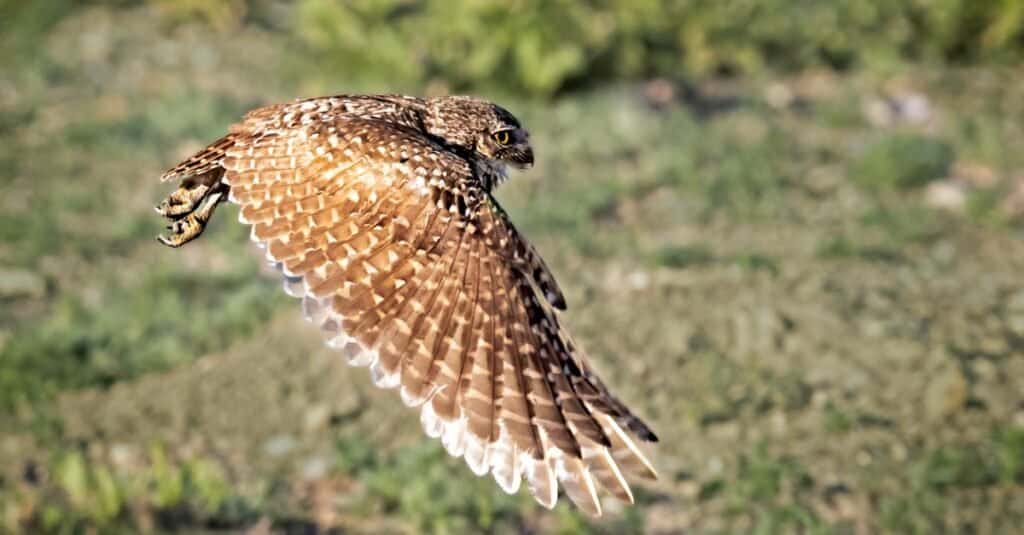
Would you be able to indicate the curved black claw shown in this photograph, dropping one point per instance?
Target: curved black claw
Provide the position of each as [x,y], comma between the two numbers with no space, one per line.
[169,242]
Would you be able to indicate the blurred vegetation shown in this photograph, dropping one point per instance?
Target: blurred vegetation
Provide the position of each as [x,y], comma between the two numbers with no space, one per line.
[902,161]
[807,234]
[83,494]
[542,47]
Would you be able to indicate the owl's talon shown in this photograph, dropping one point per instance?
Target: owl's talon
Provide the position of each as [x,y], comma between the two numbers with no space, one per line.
[192,224]
[169,242]
[183,231]
[183,200]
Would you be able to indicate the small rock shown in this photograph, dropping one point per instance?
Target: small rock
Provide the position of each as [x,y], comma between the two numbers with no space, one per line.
[779,95]
[914,108]
[985,371]
[21,283]
[910,108]
[279,445]
[315,468]
[317,417]
[946,194]
[123,456]
[715,465]
[878,112]
[659,92]
[639,280]
[1013,204]
[1015,313]
[779,422]
[611,506]
[945,394]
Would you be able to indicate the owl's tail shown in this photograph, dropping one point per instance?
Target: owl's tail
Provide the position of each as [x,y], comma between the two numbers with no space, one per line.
[190,207]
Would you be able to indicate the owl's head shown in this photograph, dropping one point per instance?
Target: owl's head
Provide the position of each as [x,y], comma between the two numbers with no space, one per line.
[482,127]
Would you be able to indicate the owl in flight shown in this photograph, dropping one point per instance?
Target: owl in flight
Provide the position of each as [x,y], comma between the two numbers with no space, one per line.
[378,210]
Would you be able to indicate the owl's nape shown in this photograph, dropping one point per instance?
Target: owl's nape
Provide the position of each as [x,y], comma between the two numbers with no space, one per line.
[385,227]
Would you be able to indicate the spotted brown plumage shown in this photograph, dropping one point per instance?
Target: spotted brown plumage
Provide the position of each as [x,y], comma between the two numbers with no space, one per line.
[378,210]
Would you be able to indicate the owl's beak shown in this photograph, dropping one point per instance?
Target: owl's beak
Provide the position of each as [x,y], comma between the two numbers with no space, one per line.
[523,159]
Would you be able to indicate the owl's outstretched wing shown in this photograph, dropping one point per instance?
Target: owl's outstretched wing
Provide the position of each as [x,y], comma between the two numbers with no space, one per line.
[408,267]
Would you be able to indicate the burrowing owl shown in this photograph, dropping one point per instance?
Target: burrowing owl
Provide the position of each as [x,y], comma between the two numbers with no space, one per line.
[378,211]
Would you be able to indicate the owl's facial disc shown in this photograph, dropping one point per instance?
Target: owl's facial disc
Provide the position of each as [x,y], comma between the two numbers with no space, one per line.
[512,146]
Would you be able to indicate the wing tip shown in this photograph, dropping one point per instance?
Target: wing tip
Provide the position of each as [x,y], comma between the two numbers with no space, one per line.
[644,433]
[557,300]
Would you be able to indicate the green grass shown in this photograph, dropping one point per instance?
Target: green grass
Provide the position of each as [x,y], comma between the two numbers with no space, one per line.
[430,503]
[85,494]
[941,474]
[681,256]
[118,336]
[902,161]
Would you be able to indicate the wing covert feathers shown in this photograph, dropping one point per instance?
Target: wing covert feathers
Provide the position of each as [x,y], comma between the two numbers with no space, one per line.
[407,267]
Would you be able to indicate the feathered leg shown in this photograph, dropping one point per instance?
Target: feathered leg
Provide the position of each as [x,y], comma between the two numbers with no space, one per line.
[189,194]
[190,208]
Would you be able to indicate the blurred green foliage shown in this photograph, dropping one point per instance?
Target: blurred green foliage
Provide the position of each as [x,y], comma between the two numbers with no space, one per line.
[951,469]
[84,342]
[902,161]
[429,502]
[80,494]
[541,47]
[100,327]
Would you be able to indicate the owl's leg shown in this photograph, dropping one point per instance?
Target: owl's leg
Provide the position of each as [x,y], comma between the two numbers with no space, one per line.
[189,195]
[191,225]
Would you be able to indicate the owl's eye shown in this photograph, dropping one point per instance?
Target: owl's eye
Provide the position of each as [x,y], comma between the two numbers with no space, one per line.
[501,137]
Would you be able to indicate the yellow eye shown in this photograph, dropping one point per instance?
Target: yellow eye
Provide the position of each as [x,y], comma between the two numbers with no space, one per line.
[501,137]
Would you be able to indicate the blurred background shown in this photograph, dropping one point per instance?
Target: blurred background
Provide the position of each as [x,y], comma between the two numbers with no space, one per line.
[789,231]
